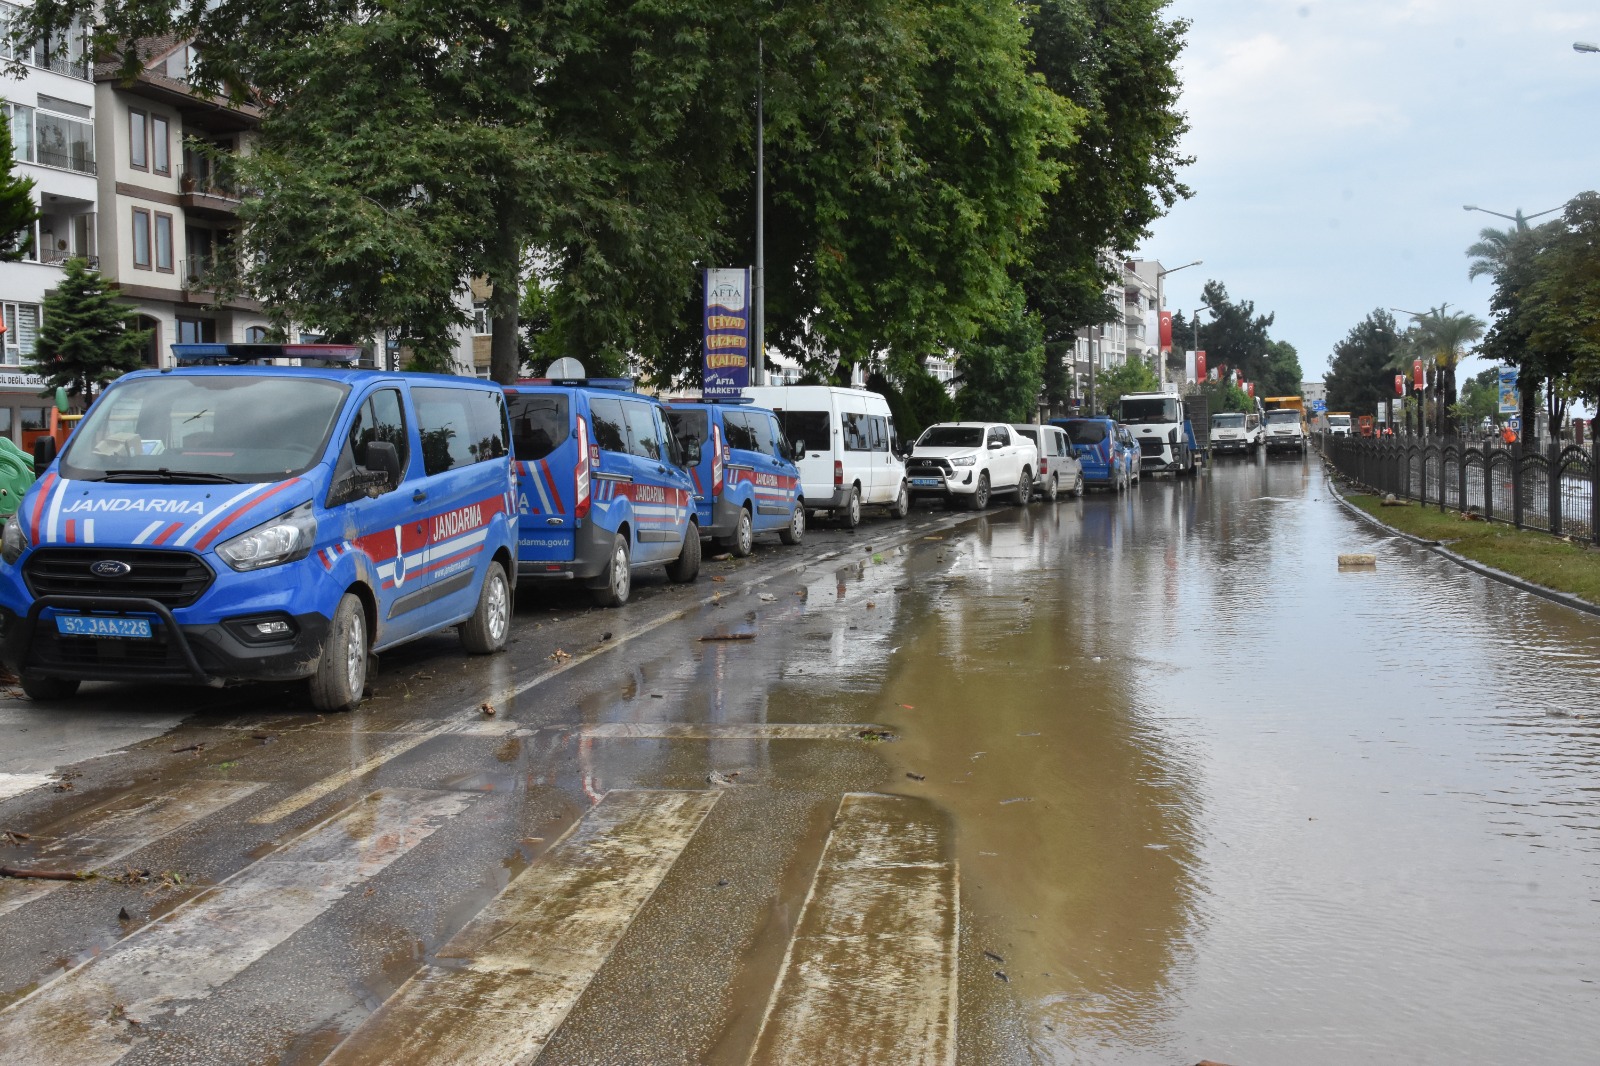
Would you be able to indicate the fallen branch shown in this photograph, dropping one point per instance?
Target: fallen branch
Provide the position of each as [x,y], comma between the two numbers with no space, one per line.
[44,875]
[729,636]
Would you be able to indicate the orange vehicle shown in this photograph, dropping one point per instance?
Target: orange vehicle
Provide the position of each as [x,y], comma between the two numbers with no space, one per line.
[1364,425]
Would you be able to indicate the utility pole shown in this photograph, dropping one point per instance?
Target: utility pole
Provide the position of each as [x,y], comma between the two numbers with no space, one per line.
[760,375]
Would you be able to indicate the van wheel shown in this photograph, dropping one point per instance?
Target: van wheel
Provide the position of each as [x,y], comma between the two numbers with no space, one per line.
[39,687]
[1025,487]
[619,576]
[1050,490]
[341,676]
[1077,486]
[686,566]
[795,531]
[850,513]
[743,541]
[902,503]
[485,632]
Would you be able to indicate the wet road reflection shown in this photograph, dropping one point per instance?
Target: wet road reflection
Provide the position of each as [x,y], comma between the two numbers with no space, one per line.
[1215,798]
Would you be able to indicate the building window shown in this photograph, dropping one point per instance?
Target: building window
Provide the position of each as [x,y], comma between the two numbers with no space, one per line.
[141,239]
[255,335]
[138,140]
[160,146]
[197,331]
[482,323]
[22,330]
[163,242]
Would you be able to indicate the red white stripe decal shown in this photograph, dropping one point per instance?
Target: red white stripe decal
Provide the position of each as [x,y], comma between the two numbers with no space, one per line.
[550,482]
[239,511]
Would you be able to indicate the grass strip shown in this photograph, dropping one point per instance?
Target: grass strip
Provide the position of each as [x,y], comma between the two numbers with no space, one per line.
[1538,557]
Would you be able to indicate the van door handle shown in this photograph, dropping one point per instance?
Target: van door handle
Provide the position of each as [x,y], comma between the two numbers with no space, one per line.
[418,496]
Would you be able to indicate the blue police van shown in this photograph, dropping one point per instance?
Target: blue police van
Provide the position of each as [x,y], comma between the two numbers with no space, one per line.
[603,487]
[230,521]
[746,481]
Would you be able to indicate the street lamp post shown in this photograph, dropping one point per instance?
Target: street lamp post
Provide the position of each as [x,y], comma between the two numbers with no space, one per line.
[1161,305]
[1585,46]
[1519,218]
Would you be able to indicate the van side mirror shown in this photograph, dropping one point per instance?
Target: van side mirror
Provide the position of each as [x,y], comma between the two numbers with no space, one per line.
[383,458]
[44,453]
[797,451]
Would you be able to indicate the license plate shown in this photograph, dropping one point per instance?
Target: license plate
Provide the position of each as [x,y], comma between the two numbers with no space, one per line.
[89,625]
[930,482]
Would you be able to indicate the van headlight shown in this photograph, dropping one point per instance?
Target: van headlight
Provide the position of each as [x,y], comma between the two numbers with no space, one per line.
[15,540]
[964,460]
[280,540]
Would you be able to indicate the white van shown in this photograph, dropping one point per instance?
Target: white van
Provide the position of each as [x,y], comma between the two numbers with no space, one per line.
[852,455]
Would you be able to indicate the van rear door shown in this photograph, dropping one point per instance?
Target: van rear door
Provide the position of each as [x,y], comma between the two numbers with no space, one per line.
[545,441]
[816,430]
[696,426]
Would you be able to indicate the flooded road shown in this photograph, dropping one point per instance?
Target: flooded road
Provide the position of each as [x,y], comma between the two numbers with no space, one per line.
[1128,779]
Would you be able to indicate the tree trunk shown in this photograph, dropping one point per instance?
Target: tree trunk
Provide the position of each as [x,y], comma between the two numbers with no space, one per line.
[1529,386]
[505,364]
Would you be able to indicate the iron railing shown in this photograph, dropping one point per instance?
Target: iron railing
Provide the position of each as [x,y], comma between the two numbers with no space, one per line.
[1551,488]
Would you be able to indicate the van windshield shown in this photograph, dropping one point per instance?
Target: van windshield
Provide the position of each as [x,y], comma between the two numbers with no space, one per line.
[952,437]
[690,427]
[205,428]
[1085,432]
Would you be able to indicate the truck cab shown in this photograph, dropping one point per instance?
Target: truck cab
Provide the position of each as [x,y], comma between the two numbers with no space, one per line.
[1159,423]
[1339,424]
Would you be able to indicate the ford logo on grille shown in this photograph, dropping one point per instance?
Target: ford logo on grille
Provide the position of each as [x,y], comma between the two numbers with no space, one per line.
[110,568]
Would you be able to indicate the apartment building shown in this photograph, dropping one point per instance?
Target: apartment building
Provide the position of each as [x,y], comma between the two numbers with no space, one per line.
[51,111]
[169,208]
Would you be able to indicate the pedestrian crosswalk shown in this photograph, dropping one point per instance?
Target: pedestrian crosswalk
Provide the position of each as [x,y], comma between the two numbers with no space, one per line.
[869,974]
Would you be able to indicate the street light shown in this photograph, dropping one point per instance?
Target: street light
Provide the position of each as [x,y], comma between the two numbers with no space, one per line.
[1585,46]
[1519,218]
[1161,357]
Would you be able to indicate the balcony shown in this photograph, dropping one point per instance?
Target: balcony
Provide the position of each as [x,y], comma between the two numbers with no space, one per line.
[76,161]
[204,192]
[56,258]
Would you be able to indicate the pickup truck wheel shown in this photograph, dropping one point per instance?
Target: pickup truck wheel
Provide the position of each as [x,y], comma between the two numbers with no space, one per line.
[485,632]
[619,576]
[341,676]
[38,687]
[980,495]
[850,513]
[1024,491]
[1050,490]
[743,541]
[795,531]
[686,567]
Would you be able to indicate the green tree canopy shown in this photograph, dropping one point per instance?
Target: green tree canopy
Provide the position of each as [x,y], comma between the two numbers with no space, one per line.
[1124,379]
[87,337]
[17,210]
[1000,371]
[1360,375]
[1237,338]
[1562,305]
[1443,340]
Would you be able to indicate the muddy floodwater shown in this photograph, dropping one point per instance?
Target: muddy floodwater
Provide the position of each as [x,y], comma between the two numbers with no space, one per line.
[1214,798]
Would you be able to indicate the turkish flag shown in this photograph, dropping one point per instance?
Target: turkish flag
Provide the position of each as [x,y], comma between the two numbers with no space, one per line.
[1200,366]
[1416,370]
[1399,384]
[1250,389]
[1166,332]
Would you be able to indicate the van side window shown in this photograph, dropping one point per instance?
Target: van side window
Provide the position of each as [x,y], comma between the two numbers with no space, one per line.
[690,427]
[880,432]
[856,433]
[643,438]
[894,436]
[381,418]
[813,428]
[610,433]
[459,427]
[739,432]
[759,426]
[540,423]
[780,443]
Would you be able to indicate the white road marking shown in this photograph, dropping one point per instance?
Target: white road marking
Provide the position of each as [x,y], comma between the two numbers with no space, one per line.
[871,973]
[311,793]
[118,828]
[506,981]
[95,1014]
[17,784]
[724,731]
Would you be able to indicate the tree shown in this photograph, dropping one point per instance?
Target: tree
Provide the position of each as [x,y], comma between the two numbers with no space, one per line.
[87,338]
[17,210]
[1115,60]
[1480,400]
[1360,375]
[1000,371]
[1124,379]
[1237,338]
[1512,258]
[1562,306]
[1225,396]
[1283,376]
[1444,340]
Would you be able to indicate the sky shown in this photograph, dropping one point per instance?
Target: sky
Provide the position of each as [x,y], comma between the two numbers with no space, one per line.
[1336,142]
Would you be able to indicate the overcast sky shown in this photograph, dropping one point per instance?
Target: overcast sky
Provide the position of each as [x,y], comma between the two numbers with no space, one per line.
[1337,141]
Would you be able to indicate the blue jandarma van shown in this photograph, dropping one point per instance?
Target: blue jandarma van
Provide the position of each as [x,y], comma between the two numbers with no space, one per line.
[602,486]
[746,481]
[235,522]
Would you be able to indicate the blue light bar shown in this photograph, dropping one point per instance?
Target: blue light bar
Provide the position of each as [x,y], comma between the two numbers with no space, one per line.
[616,384]
[190,354]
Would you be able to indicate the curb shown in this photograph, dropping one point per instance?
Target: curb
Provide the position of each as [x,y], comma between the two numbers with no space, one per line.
[1565,599]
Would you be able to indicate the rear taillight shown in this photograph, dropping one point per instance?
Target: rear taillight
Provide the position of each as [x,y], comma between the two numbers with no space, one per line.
[581,474]
[838,474]
[718,458]
[1044,466]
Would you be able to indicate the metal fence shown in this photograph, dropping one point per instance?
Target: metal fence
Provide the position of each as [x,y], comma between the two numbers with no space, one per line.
[1551,489]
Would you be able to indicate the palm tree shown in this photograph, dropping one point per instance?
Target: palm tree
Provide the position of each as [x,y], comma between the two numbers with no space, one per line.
[1444,340]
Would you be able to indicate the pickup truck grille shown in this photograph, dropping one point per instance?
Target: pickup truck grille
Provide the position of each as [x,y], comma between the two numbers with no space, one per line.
[925,466]
[172,578]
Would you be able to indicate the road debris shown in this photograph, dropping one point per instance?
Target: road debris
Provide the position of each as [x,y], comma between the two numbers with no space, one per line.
[196,748]
[874,736]
[12,836]
[916,777]
[487,708]
[1016,799]
[717,779]
[44,875]
[1002,975]
[728,636]
[992,957]
[1358,559]
[559,656]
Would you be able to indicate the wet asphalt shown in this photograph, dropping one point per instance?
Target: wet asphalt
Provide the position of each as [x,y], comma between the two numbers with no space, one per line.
[1150,780]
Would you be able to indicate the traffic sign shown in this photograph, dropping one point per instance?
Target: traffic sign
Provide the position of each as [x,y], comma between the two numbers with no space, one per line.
[1319,406]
